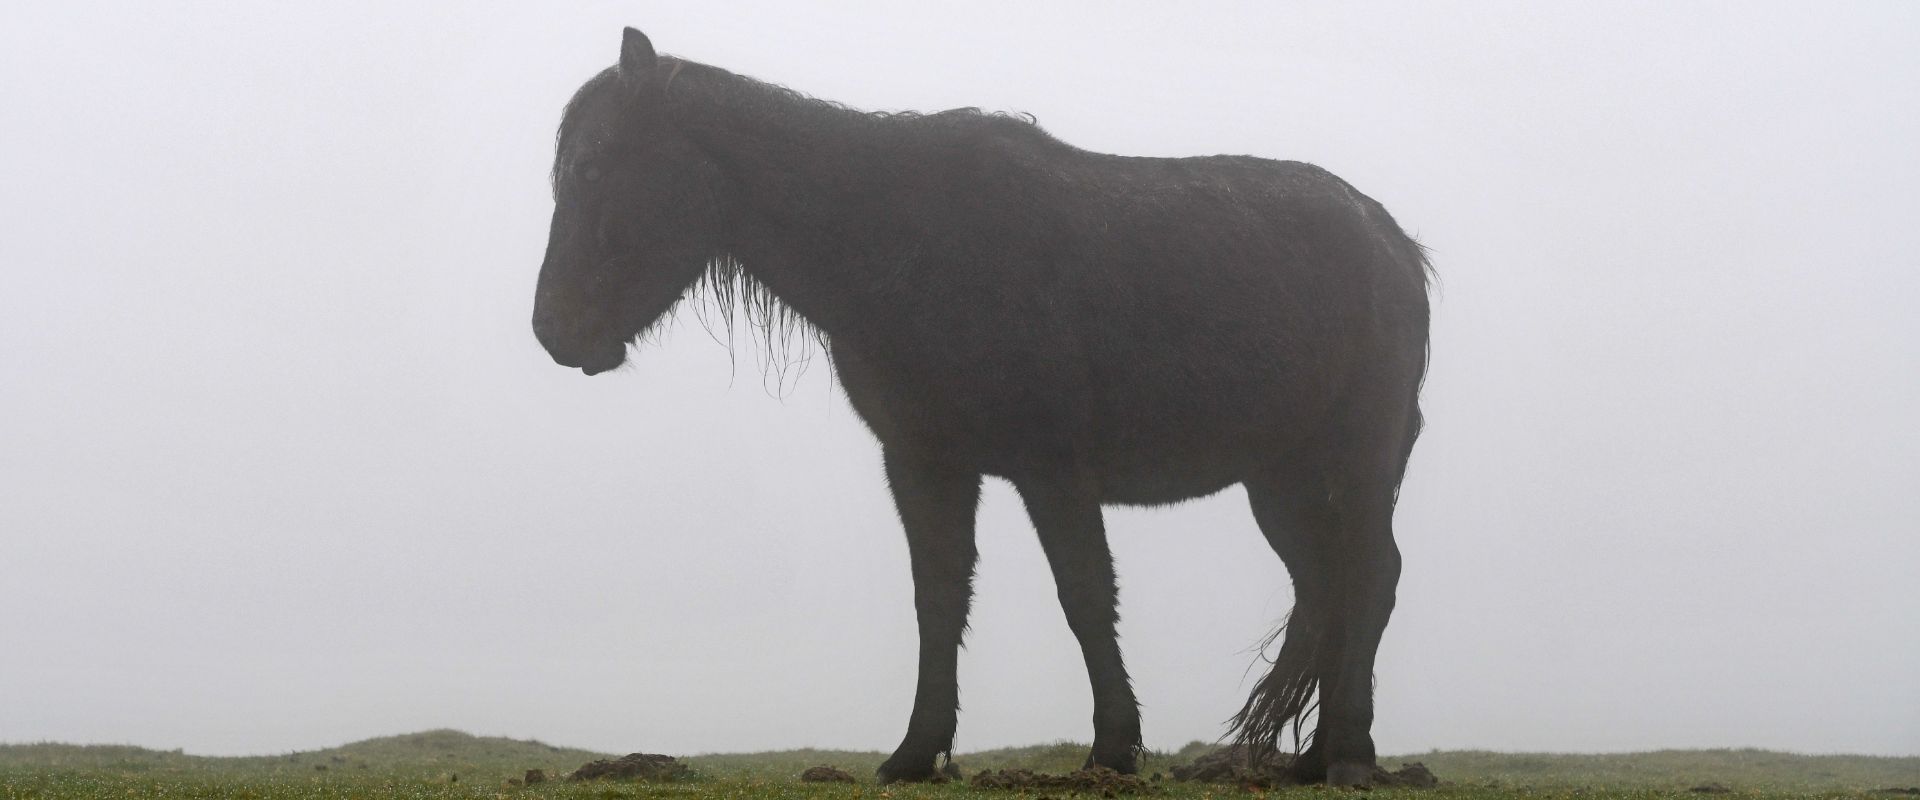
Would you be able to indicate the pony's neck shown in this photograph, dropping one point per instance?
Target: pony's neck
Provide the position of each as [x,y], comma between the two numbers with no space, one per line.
[808,183]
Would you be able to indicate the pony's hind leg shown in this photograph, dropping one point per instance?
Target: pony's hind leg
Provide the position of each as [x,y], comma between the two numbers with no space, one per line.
[1333,526]
[1074,537]
[1300,525]
[1366,570]
[937,506]
[1366,574]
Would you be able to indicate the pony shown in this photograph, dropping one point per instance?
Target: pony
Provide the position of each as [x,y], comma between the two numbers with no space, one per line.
[1094,329]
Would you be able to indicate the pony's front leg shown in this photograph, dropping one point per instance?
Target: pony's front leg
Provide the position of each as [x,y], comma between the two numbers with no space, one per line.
[936,504]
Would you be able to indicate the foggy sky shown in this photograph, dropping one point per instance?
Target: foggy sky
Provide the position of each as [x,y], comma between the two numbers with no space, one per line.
[282,466]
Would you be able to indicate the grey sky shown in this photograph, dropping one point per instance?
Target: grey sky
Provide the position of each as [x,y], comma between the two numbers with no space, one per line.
[282,466]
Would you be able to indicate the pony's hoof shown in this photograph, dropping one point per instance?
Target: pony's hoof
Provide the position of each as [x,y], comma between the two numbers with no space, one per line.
[899,770]
[1354,774]
[1123,763]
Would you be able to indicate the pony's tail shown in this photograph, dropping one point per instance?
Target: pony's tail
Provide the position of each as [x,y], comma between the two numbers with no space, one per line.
[1284,699]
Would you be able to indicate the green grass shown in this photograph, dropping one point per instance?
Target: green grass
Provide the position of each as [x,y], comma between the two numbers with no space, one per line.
[450,764]
[1675,769]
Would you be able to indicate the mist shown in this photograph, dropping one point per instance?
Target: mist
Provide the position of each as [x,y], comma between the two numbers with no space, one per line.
[282,465]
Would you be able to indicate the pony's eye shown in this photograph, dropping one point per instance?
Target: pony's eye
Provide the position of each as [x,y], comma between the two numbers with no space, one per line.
[591,173]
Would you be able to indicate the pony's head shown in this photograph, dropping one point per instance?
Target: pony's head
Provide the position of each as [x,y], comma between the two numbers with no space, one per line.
[636,217]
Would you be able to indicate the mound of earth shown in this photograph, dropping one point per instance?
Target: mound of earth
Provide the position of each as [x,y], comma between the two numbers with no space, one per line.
[826,775]
[1408,776]
[1095,779]
[1232,766]
[633,766]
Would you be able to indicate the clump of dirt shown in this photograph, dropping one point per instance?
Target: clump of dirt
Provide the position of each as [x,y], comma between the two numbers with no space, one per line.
[1104,781]
[633,766]
[1231,765]
[1408,776]
[1710,788]
[536,776]
[826,775]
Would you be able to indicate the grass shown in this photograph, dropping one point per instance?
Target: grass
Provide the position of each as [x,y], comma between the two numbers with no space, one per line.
[450,764]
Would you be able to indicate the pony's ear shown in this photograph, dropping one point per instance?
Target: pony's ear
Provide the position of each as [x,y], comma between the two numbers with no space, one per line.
[637,58]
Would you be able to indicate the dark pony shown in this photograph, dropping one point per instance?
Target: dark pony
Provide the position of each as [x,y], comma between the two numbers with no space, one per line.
[1094,329]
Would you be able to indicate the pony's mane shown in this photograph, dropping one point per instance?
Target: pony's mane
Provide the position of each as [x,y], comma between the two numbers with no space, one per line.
[709,84]
[725,297]
[713,84]
[784,342]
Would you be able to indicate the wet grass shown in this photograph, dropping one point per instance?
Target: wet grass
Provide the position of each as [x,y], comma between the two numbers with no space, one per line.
[449,764]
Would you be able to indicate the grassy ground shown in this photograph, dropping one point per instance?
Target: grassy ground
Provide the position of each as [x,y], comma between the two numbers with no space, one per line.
[449,764]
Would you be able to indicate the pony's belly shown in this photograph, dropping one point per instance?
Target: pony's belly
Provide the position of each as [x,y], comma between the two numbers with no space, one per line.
[1137,448]
[1163,468]
[1150,488]
[1164,487]
[1129,473]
